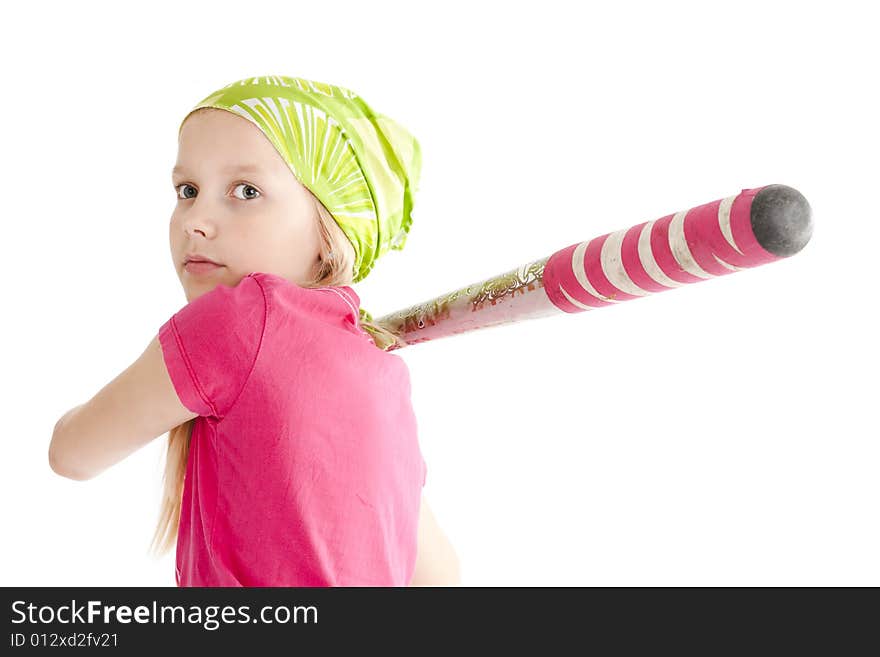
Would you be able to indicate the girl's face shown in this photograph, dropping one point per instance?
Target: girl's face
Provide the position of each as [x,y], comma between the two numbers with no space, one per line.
[238,204]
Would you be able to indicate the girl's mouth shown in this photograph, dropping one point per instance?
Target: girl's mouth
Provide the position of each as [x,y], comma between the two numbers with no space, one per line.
[200,267]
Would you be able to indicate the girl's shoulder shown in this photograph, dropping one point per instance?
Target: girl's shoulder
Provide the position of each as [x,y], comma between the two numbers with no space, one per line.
[333,303]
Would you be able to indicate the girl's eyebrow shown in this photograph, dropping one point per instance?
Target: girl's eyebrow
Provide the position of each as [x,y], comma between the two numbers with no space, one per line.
[235,168]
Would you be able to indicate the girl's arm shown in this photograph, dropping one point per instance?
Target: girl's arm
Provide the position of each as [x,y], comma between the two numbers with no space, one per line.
[69,413]
[134,408]
[437,563]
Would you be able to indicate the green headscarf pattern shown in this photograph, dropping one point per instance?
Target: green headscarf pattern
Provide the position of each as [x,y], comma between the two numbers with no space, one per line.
[363,166]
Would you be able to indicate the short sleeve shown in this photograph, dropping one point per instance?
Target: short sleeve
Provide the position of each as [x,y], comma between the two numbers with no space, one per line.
[211,345]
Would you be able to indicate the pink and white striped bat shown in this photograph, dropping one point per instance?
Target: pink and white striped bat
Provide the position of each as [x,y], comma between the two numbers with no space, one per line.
[755,227]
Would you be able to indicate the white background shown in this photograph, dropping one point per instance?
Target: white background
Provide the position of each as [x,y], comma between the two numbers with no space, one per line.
[724,433]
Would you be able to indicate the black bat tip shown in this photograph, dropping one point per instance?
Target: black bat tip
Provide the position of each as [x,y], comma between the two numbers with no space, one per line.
[781,220]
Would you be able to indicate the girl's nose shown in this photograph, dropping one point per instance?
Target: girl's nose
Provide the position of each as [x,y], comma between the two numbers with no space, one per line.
[193,224]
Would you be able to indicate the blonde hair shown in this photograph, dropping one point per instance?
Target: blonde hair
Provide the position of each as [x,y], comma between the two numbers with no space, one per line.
[335,269]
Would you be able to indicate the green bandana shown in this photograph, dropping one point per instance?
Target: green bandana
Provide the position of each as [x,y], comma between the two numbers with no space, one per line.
[363,166]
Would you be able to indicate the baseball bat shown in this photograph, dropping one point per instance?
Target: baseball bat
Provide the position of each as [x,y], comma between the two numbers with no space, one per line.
[755,227]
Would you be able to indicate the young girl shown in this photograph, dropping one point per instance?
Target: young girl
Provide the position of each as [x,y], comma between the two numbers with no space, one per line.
[293,456]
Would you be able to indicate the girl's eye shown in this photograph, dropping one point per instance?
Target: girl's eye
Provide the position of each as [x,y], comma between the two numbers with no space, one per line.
[249,195]
[182,186]
[251,187]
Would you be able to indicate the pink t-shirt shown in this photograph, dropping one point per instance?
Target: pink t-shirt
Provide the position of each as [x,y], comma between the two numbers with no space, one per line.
[304,467]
